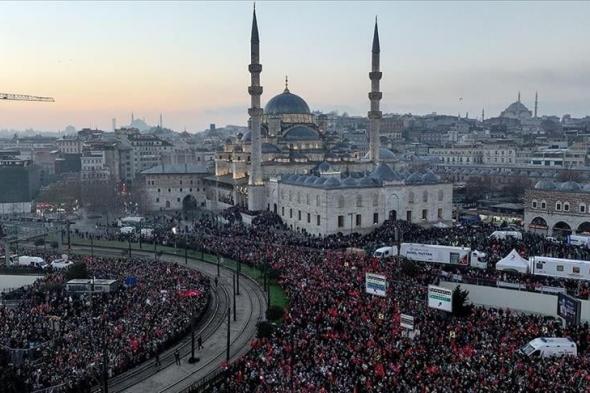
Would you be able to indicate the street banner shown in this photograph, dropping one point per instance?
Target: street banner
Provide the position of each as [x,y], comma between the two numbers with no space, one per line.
[440,298]
[406,321]
[375,284]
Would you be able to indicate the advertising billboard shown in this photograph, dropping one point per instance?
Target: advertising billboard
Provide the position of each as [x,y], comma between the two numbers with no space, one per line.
[406,321]
[375,284]
[569,308]
[440,298]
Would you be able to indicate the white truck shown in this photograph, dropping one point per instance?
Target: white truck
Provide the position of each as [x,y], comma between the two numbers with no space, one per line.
[37,262]
[506,234]
[550,346]
[127,230]
[559,267]
[385,252]
[461,256]
[62,263]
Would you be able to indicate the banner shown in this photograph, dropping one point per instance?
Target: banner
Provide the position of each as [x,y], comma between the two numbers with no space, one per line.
[440,298]
[569,308]
[375,284]
[406,321]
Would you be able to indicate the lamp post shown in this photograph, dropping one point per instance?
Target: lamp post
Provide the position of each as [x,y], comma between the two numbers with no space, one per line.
[351,214]
[92,245]
[228,334]
[234,287]
[185,249]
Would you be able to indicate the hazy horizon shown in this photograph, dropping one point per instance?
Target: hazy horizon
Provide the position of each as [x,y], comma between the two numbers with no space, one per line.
[189,60]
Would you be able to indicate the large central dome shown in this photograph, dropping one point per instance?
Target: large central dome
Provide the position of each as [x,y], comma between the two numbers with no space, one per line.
[286,103]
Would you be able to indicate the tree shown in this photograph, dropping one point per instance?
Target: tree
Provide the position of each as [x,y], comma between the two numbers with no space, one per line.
[77,270]
[409,268]
[461,308]
[275,313]
[264,329]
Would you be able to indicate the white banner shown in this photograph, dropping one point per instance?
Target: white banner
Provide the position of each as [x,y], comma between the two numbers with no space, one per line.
[440,298]
[406,321]
[375,284]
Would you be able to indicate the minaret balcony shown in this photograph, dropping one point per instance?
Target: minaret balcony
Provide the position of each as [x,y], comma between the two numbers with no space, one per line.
[255,90]
[255,112]
[375,95]
[374,114]
[255,68]
[375,75]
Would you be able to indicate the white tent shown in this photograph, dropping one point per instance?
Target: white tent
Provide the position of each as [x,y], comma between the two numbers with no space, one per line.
[513,262]
[440,225]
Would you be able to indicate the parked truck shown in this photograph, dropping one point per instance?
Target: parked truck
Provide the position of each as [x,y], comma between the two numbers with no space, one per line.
[37,262]
[434,253]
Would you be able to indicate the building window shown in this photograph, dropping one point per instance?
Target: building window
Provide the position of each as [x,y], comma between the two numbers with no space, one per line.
[582,208]
[566,206]
[340,221]
[181,190]
[308,218]
[534,204]
[341,201]
[558,206]
[298,197]
[157,199]
[424,214]
[318,219]
[411,197]
[441,195]
[317,201]
[177,199]
[425,196]
[375,200]
[290,213]
[439,213]
[358,220]
[409,216]
[169,190]
[158,190]
[543,205]
[375,218]
[283,211]
[299,215]
[359,201]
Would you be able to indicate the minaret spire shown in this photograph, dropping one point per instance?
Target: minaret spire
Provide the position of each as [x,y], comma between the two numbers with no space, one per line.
[536,103]
[482,115]
[518,96]
[375,96]
[255,183]
[286,84]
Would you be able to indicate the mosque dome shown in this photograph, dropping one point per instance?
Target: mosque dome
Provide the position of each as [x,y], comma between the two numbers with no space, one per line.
[545,185]
[332,182]
[247,137]
[414,179]
[286,103]
[384,154]
[301,133]
[384,172]
[430,178]
[310,180]
[571,186]
[269,148]
[349,181]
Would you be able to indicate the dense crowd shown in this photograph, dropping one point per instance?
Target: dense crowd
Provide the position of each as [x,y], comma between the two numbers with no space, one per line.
[57,338]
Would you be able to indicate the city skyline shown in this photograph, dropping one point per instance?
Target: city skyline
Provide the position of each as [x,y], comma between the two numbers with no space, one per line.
[189,60]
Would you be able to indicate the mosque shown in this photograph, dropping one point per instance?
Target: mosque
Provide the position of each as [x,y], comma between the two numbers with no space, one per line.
[285,155]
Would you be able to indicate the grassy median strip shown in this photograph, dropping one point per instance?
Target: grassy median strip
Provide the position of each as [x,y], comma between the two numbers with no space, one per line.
[278,297]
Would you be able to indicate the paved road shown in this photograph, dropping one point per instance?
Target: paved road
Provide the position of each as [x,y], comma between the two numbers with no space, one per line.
[169,377]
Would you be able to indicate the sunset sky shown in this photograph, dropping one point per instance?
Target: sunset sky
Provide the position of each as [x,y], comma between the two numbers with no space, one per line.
[189,60]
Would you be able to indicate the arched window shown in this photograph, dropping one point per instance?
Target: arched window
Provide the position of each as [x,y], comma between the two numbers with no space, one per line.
[425,196]
[411,197]
[543,204]
[290,196]
[441,195]
[558,206]
[534,204]
[317,200]
[359,201]
[341,201]
[298,197]
[307,198]
[566,206]
[582,208]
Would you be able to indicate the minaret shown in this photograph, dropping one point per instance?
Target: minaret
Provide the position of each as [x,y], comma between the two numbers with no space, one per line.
[518,97]
[374,96]
[132,118]
[483,115]
[536,103]
[160,120]
[255,189]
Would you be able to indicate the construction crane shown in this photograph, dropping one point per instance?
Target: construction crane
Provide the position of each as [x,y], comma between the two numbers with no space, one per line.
[22,97]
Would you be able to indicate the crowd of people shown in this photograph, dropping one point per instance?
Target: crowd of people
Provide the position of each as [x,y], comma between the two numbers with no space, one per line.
[55,338]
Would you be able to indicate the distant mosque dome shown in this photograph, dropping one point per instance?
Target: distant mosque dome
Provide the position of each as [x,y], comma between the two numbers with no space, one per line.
[301,133]
[517,110]
[286,103]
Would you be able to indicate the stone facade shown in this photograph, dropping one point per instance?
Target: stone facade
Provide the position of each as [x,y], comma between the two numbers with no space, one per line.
[555,212]
[175,187]
[325,211]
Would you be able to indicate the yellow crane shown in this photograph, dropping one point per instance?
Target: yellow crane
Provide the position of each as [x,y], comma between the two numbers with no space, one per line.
[23,97]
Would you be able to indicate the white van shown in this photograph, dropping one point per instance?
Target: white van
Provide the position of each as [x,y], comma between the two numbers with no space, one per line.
[127,230]
[550,346]
[38,262]
[385,252]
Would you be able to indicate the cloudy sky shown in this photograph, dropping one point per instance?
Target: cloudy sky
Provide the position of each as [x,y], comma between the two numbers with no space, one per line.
[189,60]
